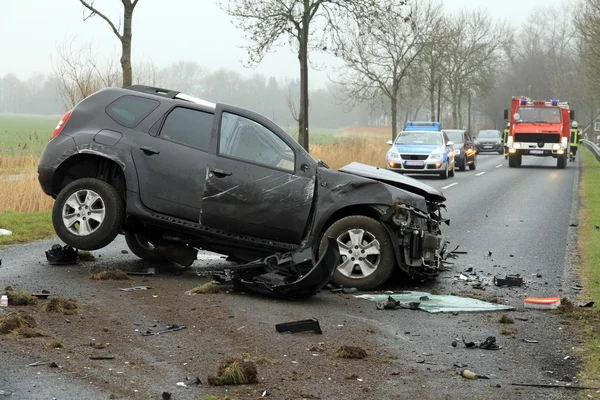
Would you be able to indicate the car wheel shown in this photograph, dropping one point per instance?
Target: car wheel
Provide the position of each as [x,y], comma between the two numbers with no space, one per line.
[451,172]
[444,175]
[473,165]
[366,252]
[463,165]
[142,247]
[88,214]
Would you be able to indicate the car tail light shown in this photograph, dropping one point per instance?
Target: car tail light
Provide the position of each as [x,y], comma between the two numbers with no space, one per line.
[61,123]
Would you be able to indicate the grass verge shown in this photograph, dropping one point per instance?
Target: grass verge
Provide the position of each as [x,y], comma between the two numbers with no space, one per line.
[26,226]
[588,249]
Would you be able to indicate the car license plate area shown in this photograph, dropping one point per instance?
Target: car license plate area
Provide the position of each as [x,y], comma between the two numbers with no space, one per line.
[487,147]
[414,163]
[536,151]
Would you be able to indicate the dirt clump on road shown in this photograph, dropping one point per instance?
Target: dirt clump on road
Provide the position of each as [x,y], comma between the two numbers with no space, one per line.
[112,275]
[21,299]
[352,352]
[235,371]
[62,305]
[206,288]
[14,321]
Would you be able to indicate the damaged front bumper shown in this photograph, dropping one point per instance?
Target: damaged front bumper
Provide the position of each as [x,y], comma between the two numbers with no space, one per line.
[420,248]
[291,275]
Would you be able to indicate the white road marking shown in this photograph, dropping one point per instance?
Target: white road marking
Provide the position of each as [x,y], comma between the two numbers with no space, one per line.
[450,185]
[498,166]
[479,174]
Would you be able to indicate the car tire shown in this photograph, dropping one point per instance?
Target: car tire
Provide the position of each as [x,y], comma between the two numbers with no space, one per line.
[97,197]
[463,166]
[141,247]
[473,165]
[360,233]
[444,175]
[451,172]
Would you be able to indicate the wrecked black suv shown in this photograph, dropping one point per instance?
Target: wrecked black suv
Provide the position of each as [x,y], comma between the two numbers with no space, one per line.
[170,171]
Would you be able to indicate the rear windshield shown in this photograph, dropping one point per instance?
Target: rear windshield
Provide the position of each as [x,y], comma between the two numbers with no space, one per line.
[129,110]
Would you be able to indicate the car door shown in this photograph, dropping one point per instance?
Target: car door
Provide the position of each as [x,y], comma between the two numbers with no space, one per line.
[171,166]
[260,182]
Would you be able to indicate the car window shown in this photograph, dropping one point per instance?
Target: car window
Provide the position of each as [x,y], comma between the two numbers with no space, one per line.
[248,140]
[488,134]
[456,137]
[129,111]
[188,127]
[419,137]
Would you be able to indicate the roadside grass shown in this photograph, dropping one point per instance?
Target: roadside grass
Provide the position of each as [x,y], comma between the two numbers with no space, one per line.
[588,249]
[25,226]
[25,132]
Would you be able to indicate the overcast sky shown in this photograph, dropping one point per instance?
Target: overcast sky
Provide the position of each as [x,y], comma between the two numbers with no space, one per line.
[165,31]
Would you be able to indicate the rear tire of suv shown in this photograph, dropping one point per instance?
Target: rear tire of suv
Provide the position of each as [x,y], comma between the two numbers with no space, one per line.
[363,242]
[88,214]
[141,247]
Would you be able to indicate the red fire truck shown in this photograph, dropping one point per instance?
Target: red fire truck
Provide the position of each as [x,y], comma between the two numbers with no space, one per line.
[538,128]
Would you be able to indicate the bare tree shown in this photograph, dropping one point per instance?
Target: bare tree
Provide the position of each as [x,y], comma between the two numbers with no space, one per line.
[474,51]
[80,73]
[306,24]
[587,22]
[379,56]
[124,37]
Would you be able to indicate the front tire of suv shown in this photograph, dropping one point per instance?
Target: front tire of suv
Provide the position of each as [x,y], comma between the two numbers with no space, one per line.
[366,252]
[142,247]
[88,214]
[444,175]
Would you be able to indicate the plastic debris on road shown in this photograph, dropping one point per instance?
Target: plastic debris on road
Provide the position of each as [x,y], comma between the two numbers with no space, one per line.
[438,303]
[5,232]
[542,303]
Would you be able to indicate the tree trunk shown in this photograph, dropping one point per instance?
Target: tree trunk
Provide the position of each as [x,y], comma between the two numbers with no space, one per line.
[431,88]
[303,58]
[394,118]
[459,110]
[126,46]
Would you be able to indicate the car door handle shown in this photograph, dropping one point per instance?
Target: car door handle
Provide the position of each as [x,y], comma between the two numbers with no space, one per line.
[149,150]
[220,172]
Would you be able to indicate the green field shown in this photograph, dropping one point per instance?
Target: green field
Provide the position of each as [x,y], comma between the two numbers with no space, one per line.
[25,133]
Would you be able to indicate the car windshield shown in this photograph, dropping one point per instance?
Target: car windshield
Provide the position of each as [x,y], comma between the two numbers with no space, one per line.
[456,137]
[488,135]
[549,115]
[427,138]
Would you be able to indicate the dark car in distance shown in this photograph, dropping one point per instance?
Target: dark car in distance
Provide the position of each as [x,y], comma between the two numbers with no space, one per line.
[464,149]
[489,140]
[169,170]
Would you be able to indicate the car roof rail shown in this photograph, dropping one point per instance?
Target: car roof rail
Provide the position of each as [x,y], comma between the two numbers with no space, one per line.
[154,90]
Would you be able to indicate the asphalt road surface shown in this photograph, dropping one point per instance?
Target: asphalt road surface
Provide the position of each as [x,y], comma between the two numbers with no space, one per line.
[521,216]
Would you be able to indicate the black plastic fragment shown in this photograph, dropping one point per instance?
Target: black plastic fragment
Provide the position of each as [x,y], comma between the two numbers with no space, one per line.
[306,325]
[61,255]
[509,280]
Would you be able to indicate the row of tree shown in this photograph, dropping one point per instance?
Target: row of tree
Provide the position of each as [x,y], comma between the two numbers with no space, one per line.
[402,60]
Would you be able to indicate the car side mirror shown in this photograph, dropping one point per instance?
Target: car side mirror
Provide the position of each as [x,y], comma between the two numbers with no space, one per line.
[390,142]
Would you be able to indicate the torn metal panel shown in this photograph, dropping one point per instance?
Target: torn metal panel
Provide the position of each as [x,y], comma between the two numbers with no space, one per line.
[438,303]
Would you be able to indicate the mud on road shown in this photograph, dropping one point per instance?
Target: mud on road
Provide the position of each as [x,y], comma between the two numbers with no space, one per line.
[409,352]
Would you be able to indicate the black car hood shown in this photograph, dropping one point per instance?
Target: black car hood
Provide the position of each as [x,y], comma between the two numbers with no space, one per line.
[395,179]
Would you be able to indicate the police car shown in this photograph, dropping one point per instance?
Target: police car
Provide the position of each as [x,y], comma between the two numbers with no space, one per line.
[421,148]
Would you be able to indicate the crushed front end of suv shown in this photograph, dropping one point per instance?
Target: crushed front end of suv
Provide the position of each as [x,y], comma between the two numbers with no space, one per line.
[175,174]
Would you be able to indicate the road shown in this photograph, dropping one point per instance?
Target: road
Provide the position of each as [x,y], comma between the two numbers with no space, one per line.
[521,215]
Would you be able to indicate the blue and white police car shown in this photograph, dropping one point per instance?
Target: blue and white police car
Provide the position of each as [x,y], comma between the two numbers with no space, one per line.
[421,148]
